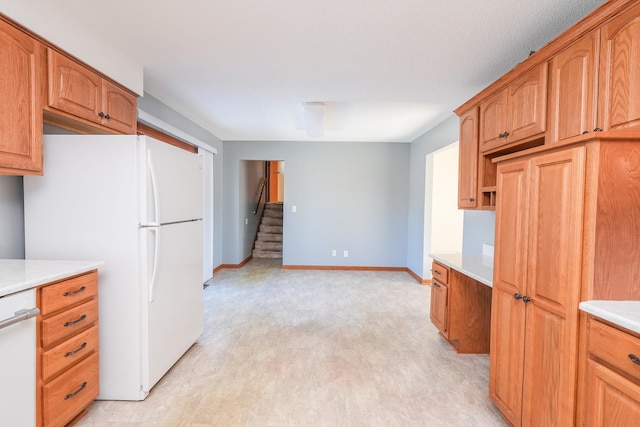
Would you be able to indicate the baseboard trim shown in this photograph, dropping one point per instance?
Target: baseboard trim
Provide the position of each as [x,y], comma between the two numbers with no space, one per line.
[418,278]
[223,266]
[342,267]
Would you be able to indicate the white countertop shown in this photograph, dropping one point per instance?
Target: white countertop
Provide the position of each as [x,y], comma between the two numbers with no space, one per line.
[622,313]
[18,274]
[478,267]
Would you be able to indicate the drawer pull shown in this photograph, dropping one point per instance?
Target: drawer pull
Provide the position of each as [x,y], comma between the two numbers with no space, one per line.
[436,284]
[634,359]
[437,272]
[77,291]
[73,322]
[70,395]
[72,352]
[517,296]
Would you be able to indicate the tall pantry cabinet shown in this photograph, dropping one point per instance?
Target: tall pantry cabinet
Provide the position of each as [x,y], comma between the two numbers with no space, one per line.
[535,288]
[567,230]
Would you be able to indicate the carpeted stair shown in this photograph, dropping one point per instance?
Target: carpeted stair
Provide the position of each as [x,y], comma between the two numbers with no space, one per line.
[269,241]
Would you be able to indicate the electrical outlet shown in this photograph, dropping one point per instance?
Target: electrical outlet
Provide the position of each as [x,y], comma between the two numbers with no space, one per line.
[246,221]
[334,253]
[294,208]
[346,254]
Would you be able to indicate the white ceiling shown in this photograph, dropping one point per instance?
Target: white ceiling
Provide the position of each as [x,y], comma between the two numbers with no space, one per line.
[387,70]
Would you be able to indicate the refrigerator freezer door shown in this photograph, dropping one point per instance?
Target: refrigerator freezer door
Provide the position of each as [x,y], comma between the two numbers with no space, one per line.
[172,295]
[172,183]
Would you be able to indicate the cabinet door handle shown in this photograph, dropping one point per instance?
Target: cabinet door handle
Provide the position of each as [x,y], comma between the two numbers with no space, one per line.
[471,199]
[107,116]
[517,296]
[501,135]
[634,359]
[101,114]
[585,132]
[526,299]
[70,395]
[597,130]
[73,322]
[72,352]
[77,291]
[436,284]
[506,134]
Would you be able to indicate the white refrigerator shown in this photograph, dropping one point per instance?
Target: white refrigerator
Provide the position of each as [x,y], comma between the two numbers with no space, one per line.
[137,204]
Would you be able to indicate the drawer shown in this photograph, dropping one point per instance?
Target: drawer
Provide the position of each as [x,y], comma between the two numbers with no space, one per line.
[68,292]
[69,352]
[66,396]
[69,322]
[440,273]
[615,347]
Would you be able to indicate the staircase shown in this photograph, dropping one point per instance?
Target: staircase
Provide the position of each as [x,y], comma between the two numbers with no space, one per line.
[269,241]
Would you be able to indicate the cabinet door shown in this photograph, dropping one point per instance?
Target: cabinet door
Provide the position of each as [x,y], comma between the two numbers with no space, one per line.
[556,204]
[468,165]
[619,89]
[572,97]
[611,400]
[21,62]
[527,105]
[120,108]
[73,89]
[509,280]
[493,113]
[439,305]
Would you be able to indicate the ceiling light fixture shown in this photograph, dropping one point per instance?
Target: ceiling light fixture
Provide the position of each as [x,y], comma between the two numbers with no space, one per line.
[313,118]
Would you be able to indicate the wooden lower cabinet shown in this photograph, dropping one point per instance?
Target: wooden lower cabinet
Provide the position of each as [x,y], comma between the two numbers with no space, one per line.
[612,384]
[536,288]
[566,231]
[67,359]
[461,310]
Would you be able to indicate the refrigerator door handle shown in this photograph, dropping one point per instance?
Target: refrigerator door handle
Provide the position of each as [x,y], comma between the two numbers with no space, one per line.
[154,271]
[154,188]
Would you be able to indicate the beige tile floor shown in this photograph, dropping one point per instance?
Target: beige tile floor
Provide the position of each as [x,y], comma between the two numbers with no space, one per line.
[314,348]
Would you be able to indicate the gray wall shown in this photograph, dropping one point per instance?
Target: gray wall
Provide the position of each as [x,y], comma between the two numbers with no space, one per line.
[419,215]
[156,108]
[11,217]
[479,226]
[251,172]
[349,196]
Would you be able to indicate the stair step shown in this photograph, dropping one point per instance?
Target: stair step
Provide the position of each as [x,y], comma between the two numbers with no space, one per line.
[271,221]
[271,228]
[264,254]
[269,246]
[269,237]
[273,214]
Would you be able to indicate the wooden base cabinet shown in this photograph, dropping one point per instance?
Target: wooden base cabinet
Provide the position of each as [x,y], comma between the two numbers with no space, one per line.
[67,370]
[566,231]
[461,310]
[536,287]
[612,383]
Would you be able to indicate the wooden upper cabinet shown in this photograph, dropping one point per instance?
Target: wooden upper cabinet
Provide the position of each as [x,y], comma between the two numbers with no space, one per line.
[21,62]
[73,88]
[516,113]
[572,94]
[619,89]
[527,105]
[121,108]
[80,93]
[468,164]
[493,121]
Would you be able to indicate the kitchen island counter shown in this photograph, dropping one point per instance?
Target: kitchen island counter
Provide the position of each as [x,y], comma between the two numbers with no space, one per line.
[18,274]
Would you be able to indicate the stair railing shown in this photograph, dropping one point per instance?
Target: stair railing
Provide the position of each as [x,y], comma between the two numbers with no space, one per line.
[261,187]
